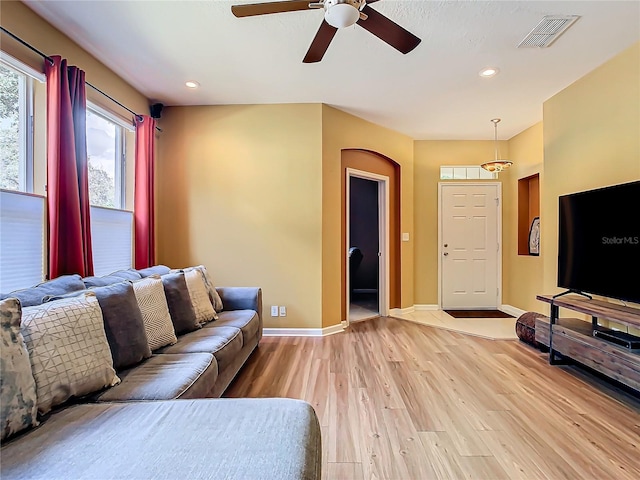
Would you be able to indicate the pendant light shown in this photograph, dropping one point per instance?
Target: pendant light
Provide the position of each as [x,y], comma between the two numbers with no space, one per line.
[496,165]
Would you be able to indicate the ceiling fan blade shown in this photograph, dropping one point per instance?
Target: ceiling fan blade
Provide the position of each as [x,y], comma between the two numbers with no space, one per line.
[320,43]
[388,31]
[252,9]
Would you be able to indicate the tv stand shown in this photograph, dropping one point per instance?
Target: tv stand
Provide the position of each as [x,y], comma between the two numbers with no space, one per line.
[576,340]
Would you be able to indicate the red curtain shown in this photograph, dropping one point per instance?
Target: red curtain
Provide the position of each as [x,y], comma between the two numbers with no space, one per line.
[143,192]
[67,173]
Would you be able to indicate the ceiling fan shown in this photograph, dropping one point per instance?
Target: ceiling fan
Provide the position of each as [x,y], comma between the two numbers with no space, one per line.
[337,14]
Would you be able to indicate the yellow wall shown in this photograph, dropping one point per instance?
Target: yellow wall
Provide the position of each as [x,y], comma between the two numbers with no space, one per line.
[522,274]
[239,190]
[429,156]
[339,131]
[591,139]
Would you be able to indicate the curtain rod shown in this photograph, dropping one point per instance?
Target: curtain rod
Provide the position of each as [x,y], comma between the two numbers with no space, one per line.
[48,58]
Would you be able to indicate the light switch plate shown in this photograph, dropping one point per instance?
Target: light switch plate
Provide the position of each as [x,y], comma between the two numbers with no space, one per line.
[274,310]
[283,311]
[405,237]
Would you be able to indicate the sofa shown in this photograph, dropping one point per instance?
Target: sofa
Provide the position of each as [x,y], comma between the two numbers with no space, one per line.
[117,392]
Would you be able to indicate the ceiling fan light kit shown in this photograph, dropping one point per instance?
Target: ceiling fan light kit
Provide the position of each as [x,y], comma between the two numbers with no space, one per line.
[341,13]
[337,14]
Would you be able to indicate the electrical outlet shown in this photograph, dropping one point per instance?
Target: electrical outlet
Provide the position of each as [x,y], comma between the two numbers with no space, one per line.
[274,310]
[283,311]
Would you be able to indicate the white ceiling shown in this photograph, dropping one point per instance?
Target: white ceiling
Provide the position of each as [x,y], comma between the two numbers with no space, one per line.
[434,92]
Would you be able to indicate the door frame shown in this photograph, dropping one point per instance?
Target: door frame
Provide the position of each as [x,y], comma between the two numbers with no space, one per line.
[383,238]
[498,235]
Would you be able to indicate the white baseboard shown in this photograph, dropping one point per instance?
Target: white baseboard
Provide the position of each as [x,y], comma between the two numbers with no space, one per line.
[427,307]
[511,310]
[416,308]
[401,311]
[302,332]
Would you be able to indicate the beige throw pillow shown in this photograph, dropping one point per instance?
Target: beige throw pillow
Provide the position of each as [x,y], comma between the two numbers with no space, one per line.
[155,312]
[199,295]
[213,293]
[68,349]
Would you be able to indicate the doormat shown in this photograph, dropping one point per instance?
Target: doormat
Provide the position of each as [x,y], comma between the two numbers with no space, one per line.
[478,314]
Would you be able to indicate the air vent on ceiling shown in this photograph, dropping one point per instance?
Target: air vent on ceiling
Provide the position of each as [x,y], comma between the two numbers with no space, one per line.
[548,31]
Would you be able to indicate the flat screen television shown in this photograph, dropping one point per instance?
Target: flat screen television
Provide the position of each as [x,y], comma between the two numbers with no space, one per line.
[599,242]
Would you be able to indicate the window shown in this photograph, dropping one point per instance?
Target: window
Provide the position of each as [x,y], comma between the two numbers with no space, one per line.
[105,151]
[465,172]
[111,223]
[21,240]
[22,214]
[16,97]
[111,240]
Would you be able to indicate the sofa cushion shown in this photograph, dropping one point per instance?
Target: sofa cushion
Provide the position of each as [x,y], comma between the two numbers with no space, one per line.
[246,320]
[179,302]
[123,324]
[223,342]
[154,270]
[233,439]
[58,286]
[152,302]
[199,295]
[68,349]
[18,402]
[166,377]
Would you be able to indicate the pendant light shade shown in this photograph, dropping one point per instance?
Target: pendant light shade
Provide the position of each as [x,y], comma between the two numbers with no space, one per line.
[496,165]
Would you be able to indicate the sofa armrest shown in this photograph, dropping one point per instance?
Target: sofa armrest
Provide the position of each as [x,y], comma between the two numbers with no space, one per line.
[241,298]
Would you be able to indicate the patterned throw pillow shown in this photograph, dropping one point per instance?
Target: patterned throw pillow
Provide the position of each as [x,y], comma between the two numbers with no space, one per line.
[216,301]
[18,403]
[68,349]
[155,312]
[199,296]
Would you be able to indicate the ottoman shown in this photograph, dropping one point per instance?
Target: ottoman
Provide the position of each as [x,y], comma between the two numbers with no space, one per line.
[526,328]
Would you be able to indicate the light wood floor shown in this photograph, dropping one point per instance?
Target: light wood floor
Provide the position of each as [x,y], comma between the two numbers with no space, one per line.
[397,400]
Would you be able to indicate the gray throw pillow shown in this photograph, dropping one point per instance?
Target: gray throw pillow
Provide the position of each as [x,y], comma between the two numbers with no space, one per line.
[123,324]
[58,286]
[181,310]
[155,270]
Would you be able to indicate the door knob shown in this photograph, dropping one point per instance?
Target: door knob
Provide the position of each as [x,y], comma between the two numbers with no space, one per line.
[446,253]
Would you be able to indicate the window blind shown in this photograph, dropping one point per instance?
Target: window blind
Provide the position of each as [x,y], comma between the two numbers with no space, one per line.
[112,240]
[22,226]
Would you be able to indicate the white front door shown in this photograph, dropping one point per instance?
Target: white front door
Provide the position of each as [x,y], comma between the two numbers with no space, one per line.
[469,245]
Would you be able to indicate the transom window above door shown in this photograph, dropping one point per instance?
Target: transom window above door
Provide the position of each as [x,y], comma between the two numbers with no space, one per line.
[465,172]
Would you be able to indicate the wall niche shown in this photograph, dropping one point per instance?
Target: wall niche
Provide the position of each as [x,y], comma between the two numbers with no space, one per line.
[528,210]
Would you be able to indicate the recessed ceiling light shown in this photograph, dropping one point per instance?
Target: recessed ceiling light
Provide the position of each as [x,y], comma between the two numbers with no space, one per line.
[489,72]
[192,84]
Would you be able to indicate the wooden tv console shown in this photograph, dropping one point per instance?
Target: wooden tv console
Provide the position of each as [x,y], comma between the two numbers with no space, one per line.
[574,338]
